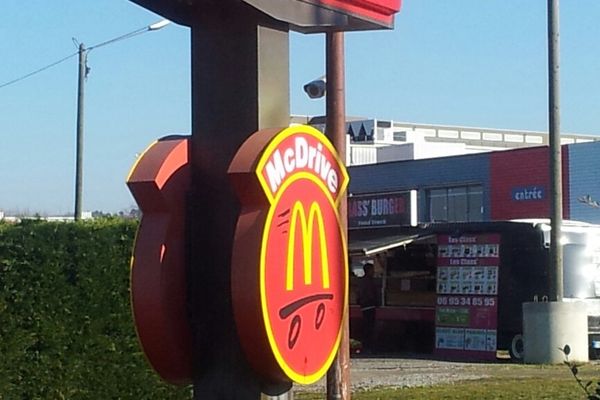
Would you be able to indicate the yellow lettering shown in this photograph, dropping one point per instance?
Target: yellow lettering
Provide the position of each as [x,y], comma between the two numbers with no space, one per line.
[314,216]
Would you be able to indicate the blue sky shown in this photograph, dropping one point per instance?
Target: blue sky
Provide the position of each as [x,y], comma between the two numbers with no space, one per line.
[467,62]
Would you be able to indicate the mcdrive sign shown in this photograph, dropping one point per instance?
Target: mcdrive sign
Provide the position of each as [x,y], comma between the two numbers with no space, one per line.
[289,266]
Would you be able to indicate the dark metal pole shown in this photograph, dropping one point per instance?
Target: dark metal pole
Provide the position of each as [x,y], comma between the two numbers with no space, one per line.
[79,138]
[338,376]
[240,84]
[556,250]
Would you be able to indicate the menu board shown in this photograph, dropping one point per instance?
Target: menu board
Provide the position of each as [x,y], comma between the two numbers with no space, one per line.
[467,296]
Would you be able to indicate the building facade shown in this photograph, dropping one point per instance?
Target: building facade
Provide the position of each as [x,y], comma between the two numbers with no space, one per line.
[500,185]
[371,141]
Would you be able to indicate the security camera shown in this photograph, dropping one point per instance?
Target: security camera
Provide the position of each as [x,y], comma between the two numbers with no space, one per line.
[316,89]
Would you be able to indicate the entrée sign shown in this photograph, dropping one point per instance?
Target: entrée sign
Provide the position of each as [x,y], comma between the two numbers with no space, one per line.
[289,264]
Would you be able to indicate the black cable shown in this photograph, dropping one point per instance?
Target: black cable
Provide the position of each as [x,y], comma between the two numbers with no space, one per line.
[37,71]
[122,37]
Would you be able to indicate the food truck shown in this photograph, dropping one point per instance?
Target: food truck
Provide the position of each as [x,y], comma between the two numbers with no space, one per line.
[456,289]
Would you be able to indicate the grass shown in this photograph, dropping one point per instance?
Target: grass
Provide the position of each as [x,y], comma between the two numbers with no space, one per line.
[554,383]
[484,389]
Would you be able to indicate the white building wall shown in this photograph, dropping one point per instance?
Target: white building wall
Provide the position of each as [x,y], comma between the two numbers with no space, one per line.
[396,153]
[371,154]
[374,141]
[361,154]
[432,150]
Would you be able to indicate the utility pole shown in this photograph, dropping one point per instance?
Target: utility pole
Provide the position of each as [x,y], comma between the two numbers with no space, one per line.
[338,376]
[79,140]
[556,249]
[83,72]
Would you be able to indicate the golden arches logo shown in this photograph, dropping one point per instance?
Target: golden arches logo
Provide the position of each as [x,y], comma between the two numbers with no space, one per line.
[315,216]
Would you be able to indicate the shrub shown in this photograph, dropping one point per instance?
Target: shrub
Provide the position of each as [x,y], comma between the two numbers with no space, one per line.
[66,330]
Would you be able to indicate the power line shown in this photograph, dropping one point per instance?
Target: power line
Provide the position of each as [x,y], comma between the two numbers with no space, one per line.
[37,71]
[147,28]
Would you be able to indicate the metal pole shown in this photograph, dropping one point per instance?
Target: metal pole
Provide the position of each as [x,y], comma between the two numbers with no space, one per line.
[338,376]
[225,112]
[556,250]
[79,138]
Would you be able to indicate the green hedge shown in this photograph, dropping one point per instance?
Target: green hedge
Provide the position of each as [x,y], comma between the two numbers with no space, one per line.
[66,330]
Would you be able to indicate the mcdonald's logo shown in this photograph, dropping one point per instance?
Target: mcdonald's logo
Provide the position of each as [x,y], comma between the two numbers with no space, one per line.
[315,220]
[302,278]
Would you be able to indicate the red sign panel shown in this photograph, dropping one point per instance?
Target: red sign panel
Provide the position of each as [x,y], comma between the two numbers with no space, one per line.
[289,253]
[319,15]
[159,182]
[381,11]
[302,15]
[520,184]
[467,301]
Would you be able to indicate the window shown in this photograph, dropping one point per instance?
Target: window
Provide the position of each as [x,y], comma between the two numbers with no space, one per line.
[457,204]
[438,205]
[460,203]
[399,136]
[475,202]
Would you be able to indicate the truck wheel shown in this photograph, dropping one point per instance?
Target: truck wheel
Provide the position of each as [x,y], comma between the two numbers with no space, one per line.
[516,347]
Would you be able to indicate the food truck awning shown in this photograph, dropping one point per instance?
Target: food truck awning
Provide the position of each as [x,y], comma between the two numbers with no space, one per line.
[363,244]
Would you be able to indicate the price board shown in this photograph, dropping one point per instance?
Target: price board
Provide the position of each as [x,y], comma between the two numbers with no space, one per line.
[467,296]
